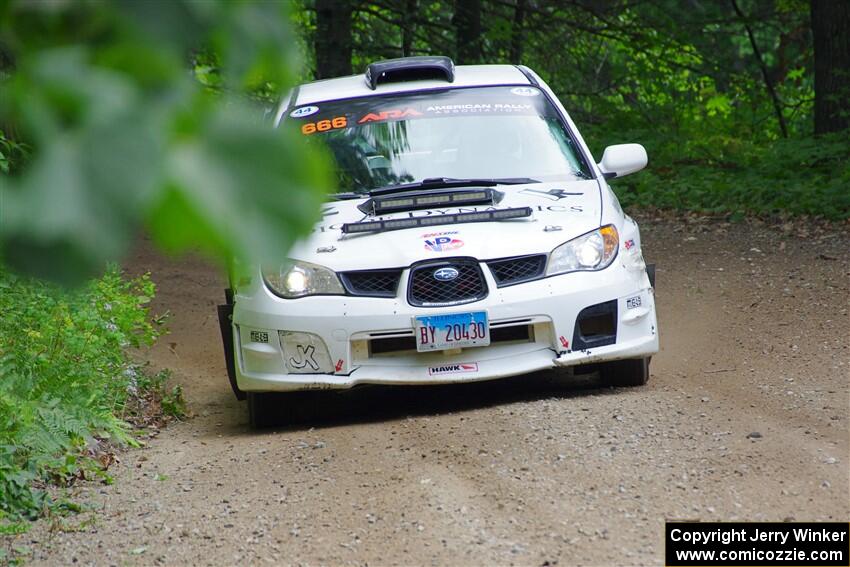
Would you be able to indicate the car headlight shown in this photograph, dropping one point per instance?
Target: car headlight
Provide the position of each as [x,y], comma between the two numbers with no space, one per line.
[592,251]
[301,279]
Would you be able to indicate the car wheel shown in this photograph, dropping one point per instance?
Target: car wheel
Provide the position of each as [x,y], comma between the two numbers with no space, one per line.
[265,409]
[625,373]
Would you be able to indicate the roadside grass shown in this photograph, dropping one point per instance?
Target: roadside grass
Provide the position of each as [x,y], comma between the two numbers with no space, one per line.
[721,174]
[71,394]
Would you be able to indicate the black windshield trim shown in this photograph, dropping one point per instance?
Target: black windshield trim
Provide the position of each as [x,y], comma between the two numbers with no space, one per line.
[448,183]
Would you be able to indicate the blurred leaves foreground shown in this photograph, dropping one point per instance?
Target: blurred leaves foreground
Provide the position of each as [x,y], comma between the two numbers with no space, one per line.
[124,136]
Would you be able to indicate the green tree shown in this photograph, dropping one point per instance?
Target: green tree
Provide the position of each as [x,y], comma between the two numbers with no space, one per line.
[122,136]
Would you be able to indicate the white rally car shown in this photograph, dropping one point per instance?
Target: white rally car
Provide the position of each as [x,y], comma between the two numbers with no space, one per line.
[473,237]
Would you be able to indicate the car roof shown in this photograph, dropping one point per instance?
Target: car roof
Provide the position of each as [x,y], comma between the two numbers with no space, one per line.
[355,86]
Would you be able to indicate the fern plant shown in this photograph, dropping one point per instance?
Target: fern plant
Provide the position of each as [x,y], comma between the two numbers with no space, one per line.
[65,375]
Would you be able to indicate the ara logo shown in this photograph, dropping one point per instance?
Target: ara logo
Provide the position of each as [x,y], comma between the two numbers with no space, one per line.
[453,369]
[304,111]
[446,274]
[443,244]
[393,114]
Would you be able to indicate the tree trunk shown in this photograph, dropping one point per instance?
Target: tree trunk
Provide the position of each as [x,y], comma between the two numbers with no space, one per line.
[518,32]
[831,32]
[333,38]
[467,21]
[409,26]
[765,73]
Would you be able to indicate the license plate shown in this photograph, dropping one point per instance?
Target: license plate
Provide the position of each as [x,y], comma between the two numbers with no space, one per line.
[458,330]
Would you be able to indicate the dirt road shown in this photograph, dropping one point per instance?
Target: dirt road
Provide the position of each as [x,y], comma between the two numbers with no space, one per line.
[745,417]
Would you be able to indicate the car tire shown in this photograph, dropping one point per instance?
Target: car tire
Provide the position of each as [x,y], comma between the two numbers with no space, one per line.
[265,409]
[625,373]
[268,409]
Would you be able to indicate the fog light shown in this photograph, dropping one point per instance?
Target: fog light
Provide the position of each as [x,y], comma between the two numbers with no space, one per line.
[305,353]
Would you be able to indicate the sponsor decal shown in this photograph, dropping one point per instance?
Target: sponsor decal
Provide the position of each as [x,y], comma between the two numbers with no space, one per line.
[453,369]
[443,244]
[306,356]
[259,337]
[324,125]
[304,111]
[478,108]
[433,234]
[551,194]
[339,364]
[629,244]
[564,342]
[633,302]
[525,91]
[393,114]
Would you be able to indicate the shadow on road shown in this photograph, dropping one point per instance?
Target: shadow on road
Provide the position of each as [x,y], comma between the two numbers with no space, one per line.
[364,404]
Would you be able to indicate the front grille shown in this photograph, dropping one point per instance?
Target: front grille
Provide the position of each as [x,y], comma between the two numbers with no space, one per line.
[511,271]
[424,290]
[373,283]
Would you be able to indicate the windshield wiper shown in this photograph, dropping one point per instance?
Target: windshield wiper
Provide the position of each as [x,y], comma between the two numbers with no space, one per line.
[347,195]
[447,182]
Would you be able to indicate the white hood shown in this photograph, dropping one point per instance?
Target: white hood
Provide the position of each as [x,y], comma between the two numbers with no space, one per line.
[560,211]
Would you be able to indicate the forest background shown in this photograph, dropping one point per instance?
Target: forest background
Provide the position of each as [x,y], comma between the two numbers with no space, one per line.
[117,117]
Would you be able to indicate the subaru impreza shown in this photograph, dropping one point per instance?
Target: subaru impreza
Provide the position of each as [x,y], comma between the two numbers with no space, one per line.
[472,237]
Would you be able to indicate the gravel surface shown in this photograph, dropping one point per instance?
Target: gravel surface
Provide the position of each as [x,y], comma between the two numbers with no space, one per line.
[745,418]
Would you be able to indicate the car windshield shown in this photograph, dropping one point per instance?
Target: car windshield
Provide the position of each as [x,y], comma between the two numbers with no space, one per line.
[484,132]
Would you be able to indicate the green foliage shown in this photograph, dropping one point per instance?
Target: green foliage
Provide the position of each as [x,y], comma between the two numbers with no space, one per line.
[122,136]
[12,154]
[726,175]
[65,379]
[687,84]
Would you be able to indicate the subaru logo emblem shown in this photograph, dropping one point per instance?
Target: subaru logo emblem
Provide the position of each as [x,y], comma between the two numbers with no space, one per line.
[445,274]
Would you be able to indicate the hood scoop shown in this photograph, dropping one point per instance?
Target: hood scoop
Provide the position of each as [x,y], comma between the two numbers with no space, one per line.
[418,200]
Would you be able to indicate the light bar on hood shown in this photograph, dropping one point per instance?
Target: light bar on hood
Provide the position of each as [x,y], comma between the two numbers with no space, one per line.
[400,224]
[382,205]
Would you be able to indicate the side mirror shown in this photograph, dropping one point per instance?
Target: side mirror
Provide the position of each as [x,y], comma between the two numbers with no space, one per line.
[622,159]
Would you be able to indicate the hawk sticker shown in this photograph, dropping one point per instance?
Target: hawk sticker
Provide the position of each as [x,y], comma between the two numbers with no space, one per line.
[453,369]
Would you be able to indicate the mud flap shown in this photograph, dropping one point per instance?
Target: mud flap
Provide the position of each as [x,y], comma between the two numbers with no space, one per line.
[225,322]
[650,272]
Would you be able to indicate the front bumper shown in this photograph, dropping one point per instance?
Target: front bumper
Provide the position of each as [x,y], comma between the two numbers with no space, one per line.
[368,339]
